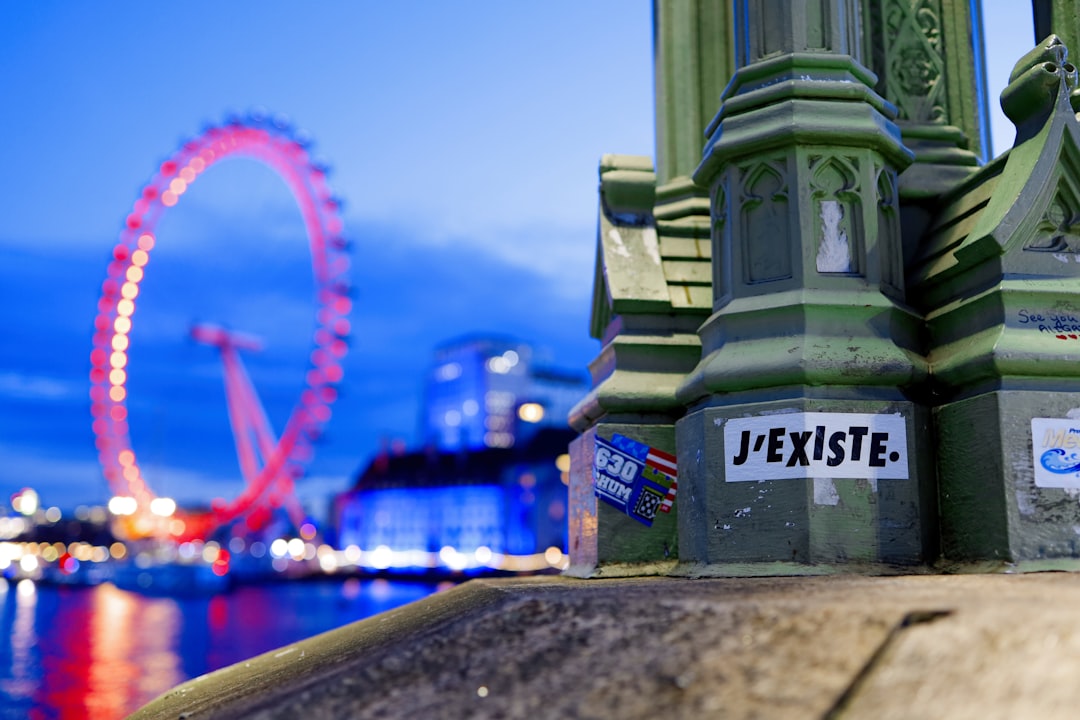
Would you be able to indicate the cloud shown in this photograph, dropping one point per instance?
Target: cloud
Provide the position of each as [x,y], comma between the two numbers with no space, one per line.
[68,482]
[59,480]
[34,387]
[189,486]
[562,255]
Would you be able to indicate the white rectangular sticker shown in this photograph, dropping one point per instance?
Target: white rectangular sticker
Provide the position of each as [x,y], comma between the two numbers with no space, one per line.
[816,445]
[1055,452]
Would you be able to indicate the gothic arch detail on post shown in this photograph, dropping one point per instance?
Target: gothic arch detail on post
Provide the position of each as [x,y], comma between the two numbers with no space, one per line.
[834,183]
[765,235]
[887,243]
[721,265]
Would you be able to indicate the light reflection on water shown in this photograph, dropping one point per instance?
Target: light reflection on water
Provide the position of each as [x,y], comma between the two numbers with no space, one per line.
[100,652]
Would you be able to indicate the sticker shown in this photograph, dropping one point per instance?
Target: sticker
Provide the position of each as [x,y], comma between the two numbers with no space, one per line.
[791,446]
[1055,452]
[634,478]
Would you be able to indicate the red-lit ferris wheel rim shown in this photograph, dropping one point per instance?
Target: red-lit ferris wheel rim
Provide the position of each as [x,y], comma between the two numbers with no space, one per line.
[276,145]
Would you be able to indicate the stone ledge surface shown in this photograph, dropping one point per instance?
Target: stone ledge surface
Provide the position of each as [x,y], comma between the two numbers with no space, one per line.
[928,646]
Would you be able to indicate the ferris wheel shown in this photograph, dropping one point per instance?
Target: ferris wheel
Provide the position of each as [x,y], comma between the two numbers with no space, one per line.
[269,463]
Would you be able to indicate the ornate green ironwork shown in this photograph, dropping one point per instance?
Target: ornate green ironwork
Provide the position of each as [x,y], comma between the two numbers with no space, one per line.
[864,289]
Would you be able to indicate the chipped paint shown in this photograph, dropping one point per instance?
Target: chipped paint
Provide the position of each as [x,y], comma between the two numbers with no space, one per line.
[620,247]
[834,255]
[652,244]
[825,492]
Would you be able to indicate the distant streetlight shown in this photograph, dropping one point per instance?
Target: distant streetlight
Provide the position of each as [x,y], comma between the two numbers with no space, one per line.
[163,506]
[25,501]
[531,412]
[123,505]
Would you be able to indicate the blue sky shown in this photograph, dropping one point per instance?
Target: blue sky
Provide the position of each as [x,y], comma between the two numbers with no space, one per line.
[464,138]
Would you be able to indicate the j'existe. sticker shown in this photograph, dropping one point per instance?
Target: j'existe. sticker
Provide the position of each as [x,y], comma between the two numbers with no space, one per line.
[634,478]
[815,445]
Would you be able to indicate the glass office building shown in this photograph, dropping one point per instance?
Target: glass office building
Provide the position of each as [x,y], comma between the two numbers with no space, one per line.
[489,392]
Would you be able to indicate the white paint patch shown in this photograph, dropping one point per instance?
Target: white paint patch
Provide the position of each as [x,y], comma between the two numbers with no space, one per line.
[825,492]
[1061,257]
[283,653]
[1025,490]
[620,247]
[652,245]
[1025,503]
[718,422]
[834,255]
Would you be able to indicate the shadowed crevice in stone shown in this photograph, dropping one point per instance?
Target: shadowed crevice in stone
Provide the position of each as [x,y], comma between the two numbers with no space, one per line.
[916,617]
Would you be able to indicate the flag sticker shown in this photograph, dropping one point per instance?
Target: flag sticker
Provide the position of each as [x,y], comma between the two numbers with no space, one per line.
[634,478]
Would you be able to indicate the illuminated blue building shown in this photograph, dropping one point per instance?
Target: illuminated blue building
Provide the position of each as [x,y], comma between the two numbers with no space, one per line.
[491,481]
[504,501]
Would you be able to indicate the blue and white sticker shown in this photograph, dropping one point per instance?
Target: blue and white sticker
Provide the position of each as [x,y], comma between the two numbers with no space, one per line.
[1055,452]
[627,476]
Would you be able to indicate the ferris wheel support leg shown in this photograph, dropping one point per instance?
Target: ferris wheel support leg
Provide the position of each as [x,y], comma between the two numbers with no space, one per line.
[238,414]
[266,442]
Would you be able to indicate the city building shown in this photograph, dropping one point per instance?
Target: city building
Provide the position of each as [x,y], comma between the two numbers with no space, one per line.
[488,488]
[490,392]
[475,505]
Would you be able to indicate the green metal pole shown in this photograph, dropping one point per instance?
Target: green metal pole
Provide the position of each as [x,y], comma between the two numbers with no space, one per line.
[810,344]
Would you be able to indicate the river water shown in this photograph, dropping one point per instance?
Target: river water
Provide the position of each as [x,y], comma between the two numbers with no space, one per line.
[100,652]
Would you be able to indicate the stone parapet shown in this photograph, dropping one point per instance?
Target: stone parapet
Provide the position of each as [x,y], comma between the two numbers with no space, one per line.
[812,647]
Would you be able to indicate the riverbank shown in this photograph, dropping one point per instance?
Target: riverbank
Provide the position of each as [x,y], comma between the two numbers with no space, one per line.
[814,647]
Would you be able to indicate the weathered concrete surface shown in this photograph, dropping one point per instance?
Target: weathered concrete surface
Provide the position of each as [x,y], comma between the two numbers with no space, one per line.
[930,646]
